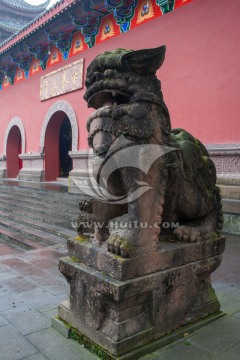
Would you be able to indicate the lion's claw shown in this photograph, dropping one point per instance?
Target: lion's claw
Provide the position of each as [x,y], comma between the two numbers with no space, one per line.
[117,245]
[187,234]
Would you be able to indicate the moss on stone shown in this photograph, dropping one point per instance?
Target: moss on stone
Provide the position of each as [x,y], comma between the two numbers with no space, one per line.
[80,238]
[67,326]
[89,345]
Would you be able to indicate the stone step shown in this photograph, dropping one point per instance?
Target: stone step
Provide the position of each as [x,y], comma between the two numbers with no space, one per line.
[28,191]
[73,208]
[23,242]
[31,233]
[40,195]
[36,224]
[32,219]
[65,213]
[43,196]
[64,222]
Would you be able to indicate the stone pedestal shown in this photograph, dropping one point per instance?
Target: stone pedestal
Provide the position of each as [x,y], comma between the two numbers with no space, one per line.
[33,167]
[78,176]
[121,304]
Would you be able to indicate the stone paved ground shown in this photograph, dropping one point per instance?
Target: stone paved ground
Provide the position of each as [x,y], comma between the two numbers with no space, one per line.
[31,287]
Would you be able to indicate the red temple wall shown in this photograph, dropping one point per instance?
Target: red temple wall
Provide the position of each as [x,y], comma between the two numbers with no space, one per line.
[200,78]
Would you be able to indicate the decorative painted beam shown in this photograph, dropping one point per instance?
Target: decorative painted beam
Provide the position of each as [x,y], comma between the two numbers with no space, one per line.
[2,75]
[88,27]
[10,72]
[123,11]
[23,63]
[166,5]
[41,53]
[64,44]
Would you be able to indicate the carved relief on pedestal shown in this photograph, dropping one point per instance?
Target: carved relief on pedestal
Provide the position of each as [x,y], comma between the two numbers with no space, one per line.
[226,158]
[33,169]
[81,159]
[225,164]
[32,161]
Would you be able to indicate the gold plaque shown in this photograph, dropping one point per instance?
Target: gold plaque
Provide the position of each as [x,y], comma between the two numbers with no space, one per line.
[64,80]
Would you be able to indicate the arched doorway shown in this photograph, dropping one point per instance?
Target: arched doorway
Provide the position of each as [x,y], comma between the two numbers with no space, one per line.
[13,149]
[57,144]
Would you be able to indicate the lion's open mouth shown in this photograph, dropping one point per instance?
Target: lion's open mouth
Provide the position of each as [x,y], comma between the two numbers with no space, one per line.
[108,97]
[107,92]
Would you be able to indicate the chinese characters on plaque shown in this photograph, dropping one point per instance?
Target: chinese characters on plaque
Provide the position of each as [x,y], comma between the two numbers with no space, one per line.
[62,81]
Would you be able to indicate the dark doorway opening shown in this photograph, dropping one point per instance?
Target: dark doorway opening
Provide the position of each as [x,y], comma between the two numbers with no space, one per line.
[58,142]
[14,146]
[65,145]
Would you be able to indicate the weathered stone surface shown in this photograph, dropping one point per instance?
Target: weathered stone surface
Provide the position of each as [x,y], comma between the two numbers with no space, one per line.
[129,285]
[143,168]
[169,255]
[122,315]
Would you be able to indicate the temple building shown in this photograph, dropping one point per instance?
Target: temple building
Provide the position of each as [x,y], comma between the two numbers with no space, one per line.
[43,67]
[14,14]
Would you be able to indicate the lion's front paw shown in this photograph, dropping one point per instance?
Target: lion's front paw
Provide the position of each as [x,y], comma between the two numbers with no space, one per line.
[187,234]
[118,245]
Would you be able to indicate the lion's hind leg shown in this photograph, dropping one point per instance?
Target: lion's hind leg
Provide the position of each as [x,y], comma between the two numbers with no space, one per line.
[204,227]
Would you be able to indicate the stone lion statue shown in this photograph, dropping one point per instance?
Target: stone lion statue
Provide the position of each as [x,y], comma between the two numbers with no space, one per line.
[171,165]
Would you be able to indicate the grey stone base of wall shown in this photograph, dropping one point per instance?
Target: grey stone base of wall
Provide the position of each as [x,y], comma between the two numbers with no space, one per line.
[122,304]
[231,224]
[31,175]
[78,181]
[231,209]
[231,216]
[78,177]
[227,161]
[3,173]
[3,166]
[226,158]
[33,167]
[230,192]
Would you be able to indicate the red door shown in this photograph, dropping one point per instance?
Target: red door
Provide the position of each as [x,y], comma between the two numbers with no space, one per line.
[14,145]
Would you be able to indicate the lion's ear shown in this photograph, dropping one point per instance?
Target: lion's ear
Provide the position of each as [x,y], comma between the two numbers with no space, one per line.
[145,61]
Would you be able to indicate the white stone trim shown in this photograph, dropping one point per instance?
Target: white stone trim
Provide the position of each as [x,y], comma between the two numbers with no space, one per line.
[226,158]
[31,156]
[16,121]
[65,107]
[223,149]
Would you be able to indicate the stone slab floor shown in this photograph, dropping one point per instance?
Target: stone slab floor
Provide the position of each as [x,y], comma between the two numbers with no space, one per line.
[31,287]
